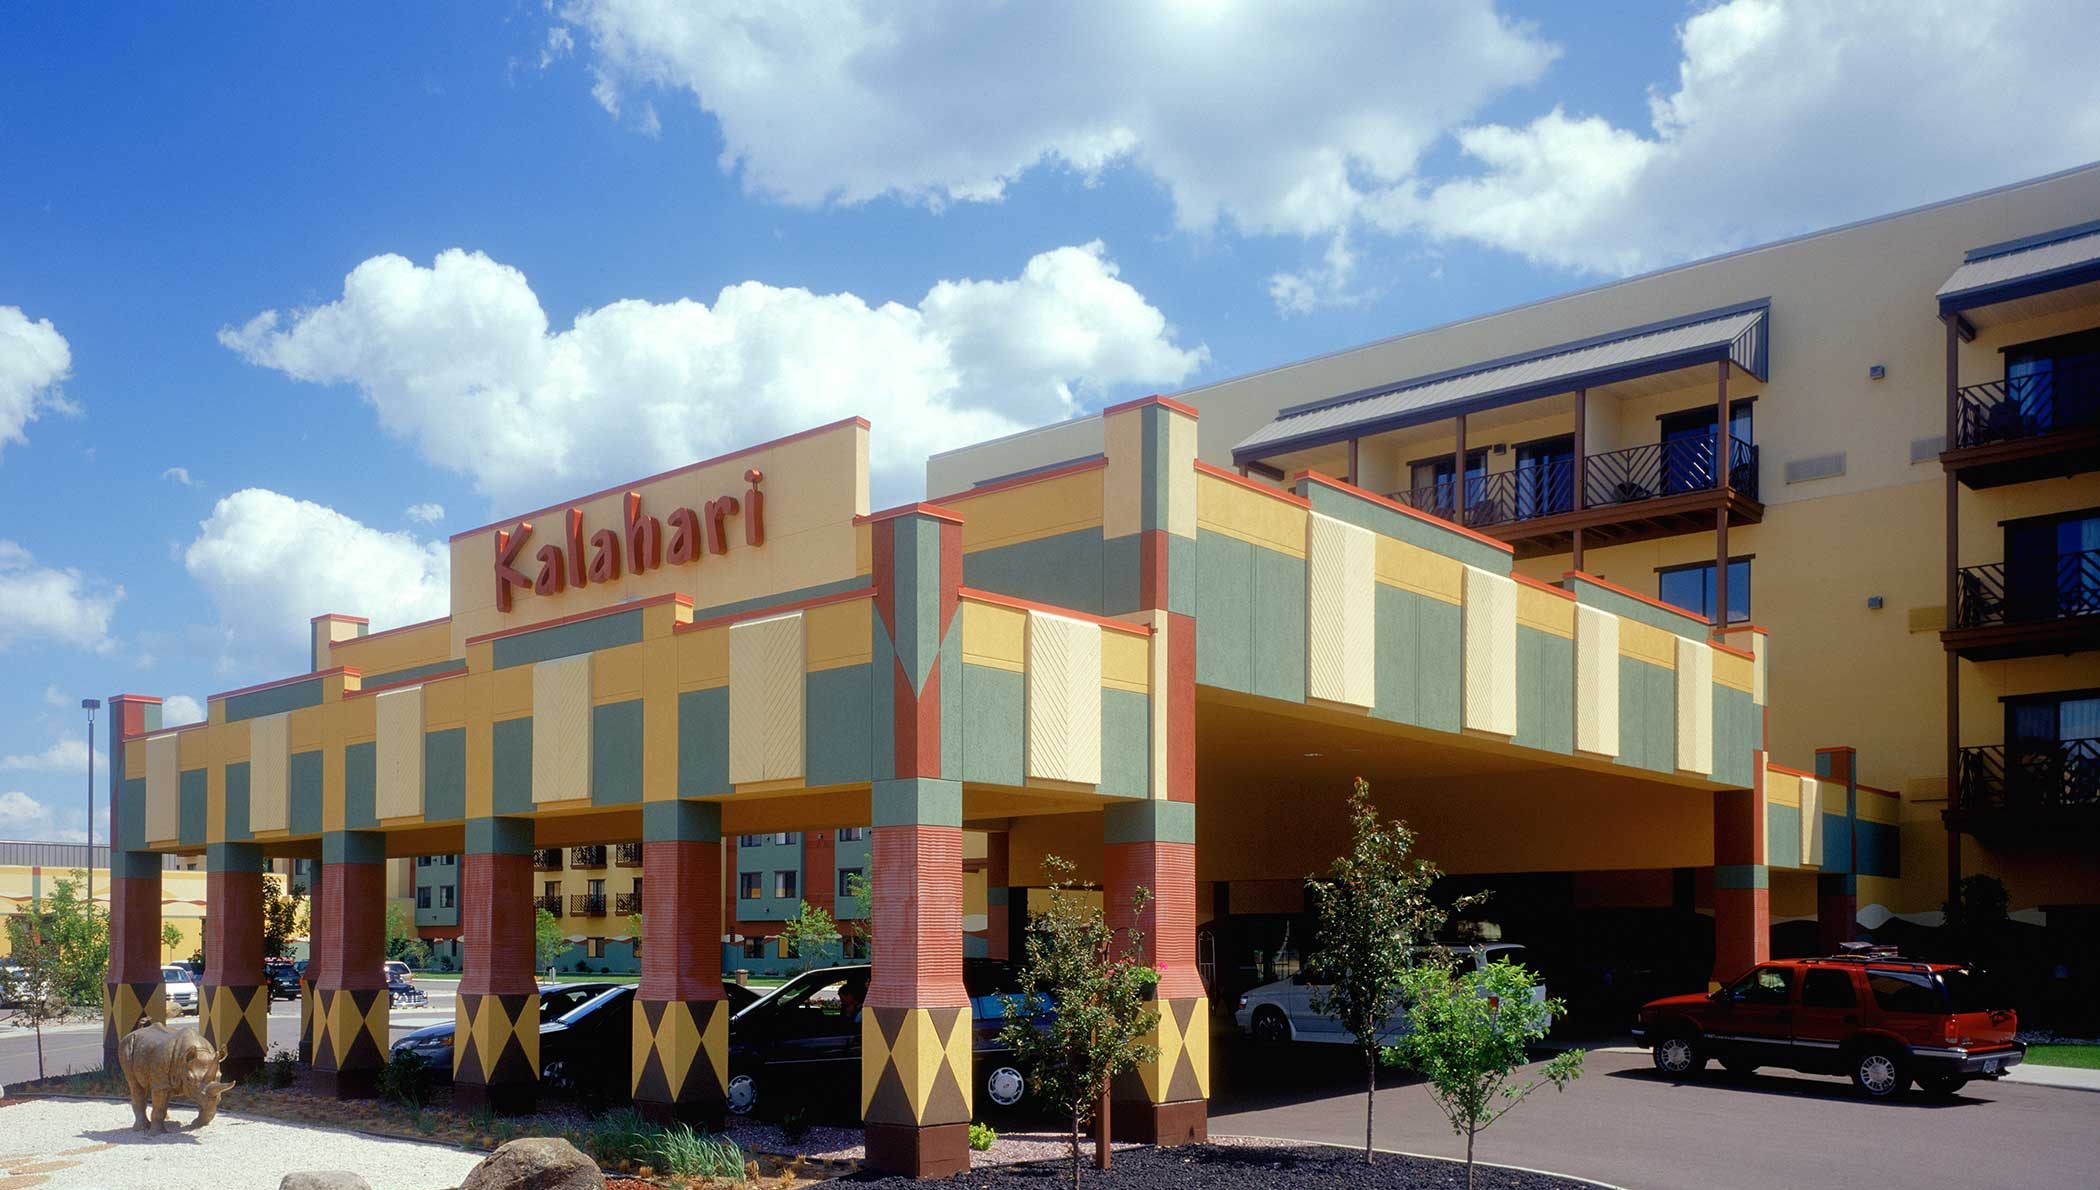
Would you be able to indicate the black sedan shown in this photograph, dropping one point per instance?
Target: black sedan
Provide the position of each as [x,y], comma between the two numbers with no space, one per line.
[433,1043]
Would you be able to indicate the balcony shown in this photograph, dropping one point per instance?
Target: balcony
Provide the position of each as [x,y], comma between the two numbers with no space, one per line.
[592,856]
[551,903]
[627,855]
[2038,426]
[2033,785]
[586,904]
[2050,605]
[546,859]
[627,904]
[1657,490]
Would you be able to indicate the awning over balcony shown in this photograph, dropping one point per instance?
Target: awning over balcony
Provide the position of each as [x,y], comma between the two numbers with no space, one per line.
[1736,334]
[2024,270]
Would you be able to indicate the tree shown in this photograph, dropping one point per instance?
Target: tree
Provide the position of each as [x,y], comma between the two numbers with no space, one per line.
[170,935]
[74,938]
[547,942]
[401,940]
[862,894]
[33,977]
[284,918]
[1466,1034]
[809,933]
[1085,1004]
[1374,912]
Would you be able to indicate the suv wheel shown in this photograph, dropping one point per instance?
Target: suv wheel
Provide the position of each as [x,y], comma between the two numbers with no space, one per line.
[741,1095]
[1004,1086]
[1879,1074]
[1269,1026]
[1679,1056]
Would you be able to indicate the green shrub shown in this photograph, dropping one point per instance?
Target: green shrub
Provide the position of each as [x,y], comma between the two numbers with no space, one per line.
[406,1080]
[794,1124]
[426,1123]
[280,1069]
[621,1135]
[982,1136]
[685,1153]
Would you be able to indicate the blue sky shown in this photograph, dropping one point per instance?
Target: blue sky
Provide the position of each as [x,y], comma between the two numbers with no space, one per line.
[964,221]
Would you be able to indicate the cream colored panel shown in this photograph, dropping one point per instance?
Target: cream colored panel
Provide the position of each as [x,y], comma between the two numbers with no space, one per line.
[398,715]
[1490,653]
[1181,474]
[1341,646]
[1811,822]
[1123,482]
[163,788]
[1695,706]
[1064,699]
[269,772]
[1596,681]
[766,699]
[1757,673]
[561,729]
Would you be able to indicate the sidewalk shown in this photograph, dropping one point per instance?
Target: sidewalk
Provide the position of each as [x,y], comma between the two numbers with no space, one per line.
[2072,1077]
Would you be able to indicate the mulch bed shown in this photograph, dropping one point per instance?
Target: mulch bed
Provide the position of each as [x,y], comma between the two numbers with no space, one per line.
[1205,1167]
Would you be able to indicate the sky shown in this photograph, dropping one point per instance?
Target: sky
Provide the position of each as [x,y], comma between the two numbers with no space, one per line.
[290,293]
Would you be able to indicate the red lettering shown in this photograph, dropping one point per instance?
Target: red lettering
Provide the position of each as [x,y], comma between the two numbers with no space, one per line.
[645,537]
[551,580]
[685,537]
[717,539]
[509,542]
[605,556]
[577,577]
[754,508]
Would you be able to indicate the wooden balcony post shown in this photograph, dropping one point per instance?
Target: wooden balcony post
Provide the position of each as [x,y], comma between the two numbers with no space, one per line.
[1458,475]
[1953,597]
[1582,417]
[1355,473]
[1722,442]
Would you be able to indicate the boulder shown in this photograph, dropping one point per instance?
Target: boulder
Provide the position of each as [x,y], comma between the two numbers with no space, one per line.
[323,1179]
[536,1163]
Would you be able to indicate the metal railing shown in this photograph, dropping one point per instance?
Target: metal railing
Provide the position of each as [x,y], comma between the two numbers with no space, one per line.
[2066,397]
[1614,477]
[627,904]
[591,856]
[546,859]
[627,855]
[586,904]
[1998,778]
[2028,592]
[551,903]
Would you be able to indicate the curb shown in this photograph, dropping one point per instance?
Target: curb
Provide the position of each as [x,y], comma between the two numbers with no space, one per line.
[1322,1144]
[2058,1083]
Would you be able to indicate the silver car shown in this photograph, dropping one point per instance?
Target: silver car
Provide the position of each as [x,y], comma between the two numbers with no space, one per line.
[180,987]
[1283,1010]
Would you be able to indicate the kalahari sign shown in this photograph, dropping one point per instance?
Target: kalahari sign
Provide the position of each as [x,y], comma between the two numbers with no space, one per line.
[562,566]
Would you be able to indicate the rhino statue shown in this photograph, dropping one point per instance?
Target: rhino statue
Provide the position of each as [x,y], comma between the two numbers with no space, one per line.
[159,1062]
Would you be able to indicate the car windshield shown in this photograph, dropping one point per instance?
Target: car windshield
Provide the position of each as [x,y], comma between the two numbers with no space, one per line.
[175,974]
[562,1000]
[584,1009]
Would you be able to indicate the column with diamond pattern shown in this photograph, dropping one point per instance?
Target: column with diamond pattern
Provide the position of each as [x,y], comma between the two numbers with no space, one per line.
[680,1061]
[496,1020]
[234,1001]
[349,964]
[134,991]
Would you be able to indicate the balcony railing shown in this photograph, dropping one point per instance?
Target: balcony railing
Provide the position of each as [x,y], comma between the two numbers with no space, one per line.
[2029,777]
[546,859]
[592,856]
[2035,592]
[551,903]
[586,904]
[627,904]
[1612,478]
[627,855]
[2066,397]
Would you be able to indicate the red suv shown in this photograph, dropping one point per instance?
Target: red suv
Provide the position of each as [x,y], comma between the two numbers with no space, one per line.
[1881,1019]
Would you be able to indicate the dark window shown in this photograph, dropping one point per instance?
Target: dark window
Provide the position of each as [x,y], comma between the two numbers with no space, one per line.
[445,895]
[749,840]
[754,948]
[448,860]
[1766,985]
[1692,588]
[422,861]
[423,898]
[1967,993]
[1826,989]
[1546,477]
[1906,991]
[748,886]
[846,876]
[852,834]
[596,887]
[1436,474]
[784,884]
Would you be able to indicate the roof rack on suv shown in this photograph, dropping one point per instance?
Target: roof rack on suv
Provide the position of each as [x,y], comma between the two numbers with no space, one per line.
[1868,952]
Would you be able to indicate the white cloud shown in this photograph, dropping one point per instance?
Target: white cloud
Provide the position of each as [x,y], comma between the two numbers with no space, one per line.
[180,475]
[67,754]
[459,359]
[179,709]
[270,563]
[427,513]
[33,359]
[24,817]
[42,605]
[54,697]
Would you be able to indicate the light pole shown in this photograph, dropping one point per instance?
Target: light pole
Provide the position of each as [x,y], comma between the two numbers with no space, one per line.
[91,705]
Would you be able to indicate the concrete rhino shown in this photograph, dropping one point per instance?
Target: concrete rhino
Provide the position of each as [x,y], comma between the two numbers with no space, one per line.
[159,1062]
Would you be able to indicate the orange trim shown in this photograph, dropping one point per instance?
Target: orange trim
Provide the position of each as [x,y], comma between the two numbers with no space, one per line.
[1154,399]
[157,732]
[358,640]
[339,616]
[1396,506]
[1759,630]
[776,609]
[975,595]
[1547,587]
[1020,481]
[920,508]
[1731,650]
[1888,793]
[425,679]
[1636,595]
[507,522]
[135,698]
[610,610]
[348,670]
[1217,472]
[1777,767]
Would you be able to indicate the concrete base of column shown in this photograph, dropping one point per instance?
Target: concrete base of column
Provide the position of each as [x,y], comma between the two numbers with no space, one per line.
[1143,1122]
[496,1051]
[124,1006]
[682,1054]
[933,1151]
[514,1099]
[236,1019]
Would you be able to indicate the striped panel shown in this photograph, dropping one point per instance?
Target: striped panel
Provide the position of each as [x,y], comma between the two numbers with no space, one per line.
[269,773]
[1341,653]
[1811,822]
[766,699]
[561,729]
[1064,699]
[163,788]
[1596,681]
[398,791]
[1490,667]
[1695,706]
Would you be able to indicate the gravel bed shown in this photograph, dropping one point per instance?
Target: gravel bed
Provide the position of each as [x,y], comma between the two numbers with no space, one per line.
[1237,1165]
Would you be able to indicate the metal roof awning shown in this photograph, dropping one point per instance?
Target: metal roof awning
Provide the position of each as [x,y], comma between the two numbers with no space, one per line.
[1737,334]
[2023,268]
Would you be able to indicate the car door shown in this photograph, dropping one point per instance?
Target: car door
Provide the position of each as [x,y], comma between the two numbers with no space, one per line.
[1755,1022]
[816,1037]
[1827,1014]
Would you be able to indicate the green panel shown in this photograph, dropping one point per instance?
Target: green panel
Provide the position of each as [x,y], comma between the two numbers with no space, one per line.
[1225,612]
[681,821]
[1633,713]
[1064,570]
[915,801]
[1126,743]
[410,674]
[131,814]
[616,753]
[567,640]
[1735,736]
[233,857]
[510,766]
[499,836]
[1183,570]
[360,785]
[841,717]
[1438,669]
[353,847]
[1545,691]
[1662,718]
[992,724]
[1149,821]
[237,802]
[1640,610]
[1782,835]
[193,794]
[738,607]
[444,775]
[1430,534]
[303,779]
[703,742]
[289,697]
[1742,876]
[1120,589]
[1279,625]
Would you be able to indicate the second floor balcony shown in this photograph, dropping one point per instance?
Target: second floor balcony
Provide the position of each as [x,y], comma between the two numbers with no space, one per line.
[2043,785]
[551,902]
[2040,420]
[546,859]
[592,856]
[627,904]
[627,855]
[587,905]
[2027,607]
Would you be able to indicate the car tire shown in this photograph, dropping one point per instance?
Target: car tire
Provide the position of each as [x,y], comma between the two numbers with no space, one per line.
[1269,1026]
[1942,1086]
[1005,1087]
[740,1097]
[1880,1073]
[1679,1056]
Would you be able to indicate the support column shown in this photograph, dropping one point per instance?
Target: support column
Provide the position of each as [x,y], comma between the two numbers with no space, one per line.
[998,911]
[496,1020]
[680,1059]
[234,1008]
[1458,473]
[1837,886]
[1742,882]
[1152,845]
[1723,442]
[349,964]
[1953,567]
[133,989]
[1582,464]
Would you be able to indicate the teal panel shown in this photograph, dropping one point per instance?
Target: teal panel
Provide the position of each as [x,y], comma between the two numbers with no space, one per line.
[1065,570]
[1880,849]
[703,742]
[1742,876]
[681,821]
[1183,568]
[353,847]
[499,836]
[567,640]
[411,673]
[1735,736]
[768,859]
[738,607]
[289,697]
[1545,691]
[840,724]
[1120,589]
[131,814]
[510,766]
[848,854]
[444,775]
[915,801]
[1635,609]
[1417,667]
[1662,718]
[1429,534]
[193,794]
[1633,713]
[1126,743]
[233,857]
[237,802]
[992,724]
[1224,612]
[616,753]
[1783,835]
[303,782]
[1279,625]
[360,785]
[1149,821]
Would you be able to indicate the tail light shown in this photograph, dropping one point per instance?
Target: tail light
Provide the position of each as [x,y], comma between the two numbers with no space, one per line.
[1953,1031]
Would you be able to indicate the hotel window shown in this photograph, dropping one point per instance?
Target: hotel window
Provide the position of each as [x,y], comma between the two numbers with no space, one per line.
[748,886]
[445,895]
[1692,588]
[846,876]
[784,884]
[594,947]
[422,861]
[750,840]
[754,948]
[853,834]
[551,888]
[423,898]
[1435,473]
[448,860]
[785,838]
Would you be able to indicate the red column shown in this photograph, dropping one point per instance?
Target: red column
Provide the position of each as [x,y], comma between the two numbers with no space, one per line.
[349,964]
[1837,887]
[496,1020]
[234,1009]
[681,1019]
[133,987]
[1742,882]
[1152,845]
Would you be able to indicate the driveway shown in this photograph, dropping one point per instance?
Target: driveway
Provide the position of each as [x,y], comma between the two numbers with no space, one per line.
[1624,1124]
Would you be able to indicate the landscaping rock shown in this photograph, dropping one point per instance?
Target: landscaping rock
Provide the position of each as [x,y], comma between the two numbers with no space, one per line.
[1236,1166]
[323,1179]
[536,1163]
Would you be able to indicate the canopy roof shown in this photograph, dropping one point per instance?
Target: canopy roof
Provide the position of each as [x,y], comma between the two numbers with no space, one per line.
[2023,268]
